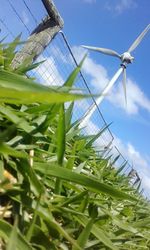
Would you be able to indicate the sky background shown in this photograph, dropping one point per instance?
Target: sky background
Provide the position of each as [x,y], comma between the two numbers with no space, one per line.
[111,24]
[116,24]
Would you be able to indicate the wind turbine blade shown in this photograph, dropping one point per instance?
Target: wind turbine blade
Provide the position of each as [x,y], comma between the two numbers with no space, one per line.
[124,84]
[139,39]
[103,50]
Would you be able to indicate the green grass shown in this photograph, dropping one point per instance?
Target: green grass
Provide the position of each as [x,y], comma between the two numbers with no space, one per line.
[70,197]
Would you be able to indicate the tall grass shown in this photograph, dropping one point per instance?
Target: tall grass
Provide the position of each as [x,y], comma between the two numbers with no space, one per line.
[56,191]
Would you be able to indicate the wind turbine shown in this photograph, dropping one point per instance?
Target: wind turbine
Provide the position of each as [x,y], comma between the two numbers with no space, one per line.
[126,58]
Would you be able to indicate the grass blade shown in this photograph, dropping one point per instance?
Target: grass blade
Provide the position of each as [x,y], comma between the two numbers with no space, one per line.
[28,97]
[6,231]
[12,243]
[68,115]
[61,138]
[98,232]
[92,183]
[83,237]
[95,137]
[61,141]
[71,79]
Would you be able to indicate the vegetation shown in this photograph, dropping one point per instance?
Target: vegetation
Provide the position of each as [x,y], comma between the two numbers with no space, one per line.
[56,191]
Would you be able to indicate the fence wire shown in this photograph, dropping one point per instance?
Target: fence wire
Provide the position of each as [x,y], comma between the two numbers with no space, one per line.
[59,63]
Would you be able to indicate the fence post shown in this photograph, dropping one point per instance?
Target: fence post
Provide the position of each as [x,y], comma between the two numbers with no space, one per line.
[41,36]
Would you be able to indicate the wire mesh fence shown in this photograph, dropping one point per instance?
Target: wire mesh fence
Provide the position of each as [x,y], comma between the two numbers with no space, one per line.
[59,63]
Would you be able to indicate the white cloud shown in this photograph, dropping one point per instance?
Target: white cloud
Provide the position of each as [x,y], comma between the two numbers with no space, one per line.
[119,6]
[25,17]
[141,165]
[104,140]
[136,98]
[59,53]
[48,73]
[97,73]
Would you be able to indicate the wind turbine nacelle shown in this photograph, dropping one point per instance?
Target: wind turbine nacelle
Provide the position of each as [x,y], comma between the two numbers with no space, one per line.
[127,58]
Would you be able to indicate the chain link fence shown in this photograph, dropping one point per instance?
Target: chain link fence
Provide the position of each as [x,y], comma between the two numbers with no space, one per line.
[59,63]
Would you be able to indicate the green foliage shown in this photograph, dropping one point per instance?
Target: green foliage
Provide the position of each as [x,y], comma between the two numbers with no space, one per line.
[56,191]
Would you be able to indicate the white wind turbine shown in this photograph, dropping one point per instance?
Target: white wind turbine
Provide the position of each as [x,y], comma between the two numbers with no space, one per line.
[125,58]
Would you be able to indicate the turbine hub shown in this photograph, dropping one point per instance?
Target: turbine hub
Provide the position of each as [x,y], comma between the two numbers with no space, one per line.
[127,58]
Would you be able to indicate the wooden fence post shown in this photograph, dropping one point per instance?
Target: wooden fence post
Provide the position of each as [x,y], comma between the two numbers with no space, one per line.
[41,36]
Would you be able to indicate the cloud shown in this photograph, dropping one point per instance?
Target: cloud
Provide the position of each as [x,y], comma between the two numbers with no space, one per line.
[119,6]
[47,73]
[57,52]
[136,98]
[98,78]
[96,72]
[141,165]
[104,140]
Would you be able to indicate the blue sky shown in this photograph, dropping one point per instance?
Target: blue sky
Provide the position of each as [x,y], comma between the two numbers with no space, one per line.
[112,24]
[115,24]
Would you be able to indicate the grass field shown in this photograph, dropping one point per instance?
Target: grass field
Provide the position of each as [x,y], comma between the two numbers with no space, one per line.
[56,191]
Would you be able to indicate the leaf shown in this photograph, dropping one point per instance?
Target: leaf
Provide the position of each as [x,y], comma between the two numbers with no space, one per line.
[9,113]
[21,68]
[27,66]
[125,226]
[1,58]
[68,115]
[39,108]
[33,222]
[71,79]
[7,133]
[1,171]
[71,160]
[5,232]
[9,52]
[17,82]
[80,167]
[75,198]
[92,183]
[61,140]
[28,97]
[7,150]
[95,137]
[51,110]
[40,238]
[45,214]
[121,168]
[115,160]
[97,232]
[84,235]
[37,186]
[12,243]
